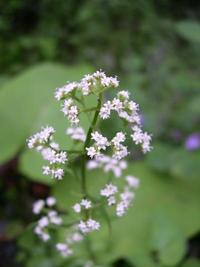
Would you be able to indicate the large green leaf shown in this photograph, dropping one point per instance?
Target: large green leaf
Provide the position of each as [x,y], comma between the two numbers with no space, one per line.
[191,263]
[190,30]
[27,102]
[132,234]
[167,239]
[185,164]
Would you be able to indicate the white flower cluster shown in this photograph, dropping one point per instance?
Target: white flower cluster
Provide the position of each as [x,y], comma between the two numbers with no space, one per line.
[51,217]
[100,143]
[86,86]
[41,138]
[121,200]
[120,151]
[43,142]
[103,153]
[127,110]
[109,191]
[65,248]
[71,111]
[88,226]
[76,133]
[85,203]
[108,164]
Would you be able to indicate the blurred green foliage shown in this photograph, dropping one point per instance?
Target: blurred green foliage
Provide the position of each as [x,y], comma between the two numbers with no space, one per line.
[154,48]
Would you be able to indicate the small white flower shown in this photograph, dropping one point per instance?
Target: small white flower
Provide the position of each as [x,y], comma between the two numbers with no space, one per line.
[132,181]
[88,226]
[50,201]
[46,170]
[76,133]
[77,208]
[45,236]
[43,222]
[109,190]
[38,206]
[121,209]
[64,249]
[74,238]
[111,201]
[119,138]
[123,95]
[106,110]
[120,152]
[58,173]
[82,226]
[93,225]
[86,203]
[100,141]
[92,152]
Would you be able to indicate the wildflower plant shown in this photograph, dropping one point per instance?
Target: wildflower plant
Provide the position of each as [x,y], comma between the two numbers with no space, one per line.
[96,152]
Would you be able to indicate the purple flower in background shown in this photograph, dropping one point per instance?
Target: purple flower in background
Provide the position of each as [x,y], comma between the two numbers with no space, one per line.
[193,141]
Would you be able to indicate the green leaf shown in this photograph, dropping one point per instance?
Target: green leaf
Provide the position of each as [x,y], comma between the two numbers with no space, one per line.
[185,164]
[31,166]
[160,157]
[191,263]
[27,102]
[188,29]
[130,235]
[167,240]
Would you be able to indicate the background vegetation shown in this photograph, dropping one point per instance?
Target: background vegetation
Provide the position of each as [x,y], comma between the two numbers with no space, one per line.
[153,46]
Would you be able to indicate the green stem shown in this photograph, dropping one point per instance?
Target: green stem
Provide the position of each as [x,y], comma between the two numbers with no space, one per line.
[87,142]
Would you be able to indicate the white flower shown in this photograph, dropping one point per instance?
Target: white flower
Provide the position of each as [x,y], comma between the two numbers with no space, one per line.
[51,201]
[108,164]
[54,157]
[58,173]
[117,105]
[54,218]
[77,208]
[132,181]
[74,238]
[120,152]
[41,137]
[119,138]
[109,190]
[88,226]
[65,90]
[64,249]
[126,199]
[146,143]
[38,206]
[71,111]
[43,222]
[83,227]
[61,157]
[91,152]
[76,133]
[54,145]
[46,170]
[45,236]
[86,203]
[121,209]
[100,141]
[106,110]
[93,225]
[123,95]
[111,201]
